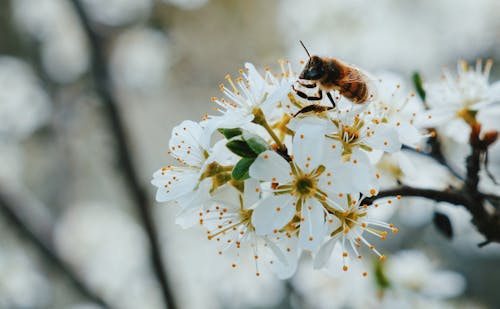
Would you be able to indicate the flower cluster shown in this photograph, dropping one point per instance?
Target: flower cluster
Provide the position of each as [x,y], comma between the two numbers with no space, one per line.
[281,179]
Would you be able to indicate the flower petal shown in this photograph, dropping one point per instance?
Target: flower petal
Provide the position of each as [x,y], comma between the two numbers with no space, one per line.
[186,143]
[273,213]
[308,146]
[312,228]
[385,138]
[270,166]
[324,253]
[174,183]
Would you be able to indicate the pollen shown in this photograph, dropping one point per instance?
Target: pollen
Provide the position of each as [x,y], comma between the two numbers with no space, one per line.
[345,268]
[266,156]
[278,209]
[373,191]
[365,274]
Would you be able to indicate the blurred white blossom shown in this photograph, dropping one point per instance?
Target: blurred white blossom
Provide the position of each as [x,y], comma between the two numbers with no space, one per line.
[140,60]
[108,249]
[55,25]
[22,283]
[118,12]
[187,4]
[24,106]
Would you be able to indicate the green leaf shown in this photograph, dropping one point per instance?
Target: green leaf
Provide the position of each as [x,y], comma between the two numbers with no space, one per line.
[417,81]
[255,142]
[241,148]
[230,133]
[240,170]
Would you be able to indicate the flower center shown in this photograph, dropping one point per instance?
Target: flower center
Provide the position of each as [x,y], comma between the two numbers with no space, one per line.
[304,186]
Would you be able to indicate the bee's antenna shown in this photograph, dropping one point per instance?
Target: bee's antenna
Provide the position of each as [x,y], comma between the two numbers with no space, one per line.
[302,43]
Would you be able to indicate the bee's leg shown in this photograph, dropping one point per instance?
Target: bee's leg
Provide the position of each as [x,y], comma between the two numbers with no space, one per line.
[312,108]
[310,86]
[305,96]
[329,95]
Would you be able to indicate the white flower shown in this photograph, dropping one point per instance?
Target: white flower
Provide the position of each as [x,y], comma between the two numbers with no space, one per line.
[454,100]
[397,108]
[228,220]
[247,93]
[190,184]
[302,190]
[422,277]
[347,229]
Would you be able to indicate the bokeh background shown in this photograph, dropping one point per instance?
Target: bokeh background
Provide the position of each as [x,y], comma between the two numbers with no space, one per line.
[60,173]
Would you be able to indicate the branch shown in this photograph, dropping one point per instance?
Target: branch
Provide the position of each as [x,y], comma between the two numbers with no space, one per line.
[452,197]
[102,87]
[487,223]
[46,250]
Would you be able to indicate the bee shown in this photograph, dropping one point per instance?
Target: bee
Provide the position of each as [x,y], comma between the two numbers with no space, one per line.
[330,74]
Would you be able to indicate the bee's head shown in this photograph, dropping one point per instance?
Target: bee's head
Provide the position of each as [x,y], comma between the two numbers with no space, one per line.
[314,69]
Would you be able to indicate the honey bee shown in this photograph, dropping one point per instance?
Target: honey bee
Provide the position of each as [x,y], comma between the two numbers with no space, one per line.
[330,74]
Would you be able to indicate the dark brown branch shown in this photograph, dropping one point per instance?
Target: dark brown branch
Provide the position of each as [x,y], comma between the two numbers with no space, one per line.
[103,88]
[47,251]
[452,197]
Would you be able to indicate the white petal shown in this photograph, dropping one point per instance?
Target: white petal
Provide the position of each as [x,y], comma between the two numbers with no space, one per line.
[255,81]
[252,193]
[285,256]
[409,134]
[308,146]
[188,217]
[197,197]
[324,253]
[174,183]
[227,195]
[332,151]
[273,213]
[186,143]
[312,228]
[385,138]
[349,177]
[276,96]
[438,116]
[270,166]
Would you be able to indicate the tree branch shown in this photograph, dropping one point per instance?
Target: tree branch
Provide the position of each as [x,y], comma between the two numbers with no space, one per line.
[46,250]
[103,88]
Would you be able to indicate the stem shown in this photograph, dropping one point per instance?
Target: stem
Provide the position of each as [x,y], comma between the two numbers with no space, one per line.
[260,119]
[47,251]
[102,85]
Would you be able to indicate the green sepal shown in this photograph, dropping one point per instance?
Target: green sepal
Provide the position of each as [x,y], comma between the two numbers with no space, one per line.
[255,142]
[417,82]
[230,133]
[241,148]
[240,170]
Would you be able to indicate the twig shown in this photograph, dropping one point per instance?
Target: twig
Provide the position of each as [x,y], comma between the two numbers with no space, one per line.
[103,89]
[452,197]
[48,253]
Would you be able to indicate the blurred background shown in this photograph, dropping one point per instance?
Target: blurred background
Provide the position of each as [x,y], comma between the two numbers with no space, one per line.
[62,173]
